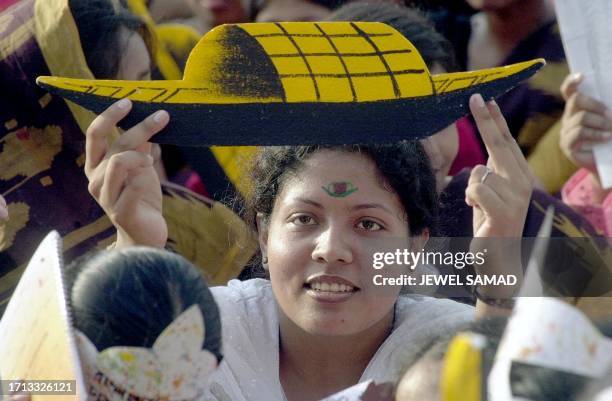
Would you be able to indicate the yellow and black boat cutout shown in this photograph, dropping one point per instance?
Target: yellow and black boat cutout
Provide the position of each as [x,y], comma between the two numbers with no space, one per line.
[299,83]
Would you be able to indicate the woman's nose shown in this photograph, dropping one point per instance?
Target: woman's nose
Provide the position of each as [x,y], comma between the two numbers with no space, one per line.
[333,246]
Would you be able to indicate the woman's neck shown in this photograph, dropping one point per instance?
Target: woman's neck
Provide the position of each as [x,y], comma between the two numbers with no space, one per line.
[314,366]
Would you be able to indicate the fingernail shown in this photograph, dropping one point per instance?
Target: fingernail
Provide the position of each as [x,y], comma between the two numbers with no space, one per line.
[160,116]
[577,76]
[606,135]
[124,103]
[150,159]
[3,213]
[479,100]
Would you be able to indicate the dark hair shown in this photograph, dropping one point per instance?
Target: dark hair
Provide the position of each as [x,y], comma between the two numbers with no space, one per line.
[527,381]
[432,46]
[127,297]
[99,23]
[403,168]
[491,328]
[331,4]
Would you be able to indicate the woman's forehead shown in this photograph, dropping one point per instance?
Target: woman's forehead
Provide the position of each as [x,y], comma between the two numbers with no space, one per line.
[340,175]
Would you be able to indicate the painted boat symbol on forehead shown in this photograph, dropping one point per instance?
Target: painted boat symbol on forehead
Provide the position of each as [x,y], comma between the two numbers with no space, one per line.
[340,189]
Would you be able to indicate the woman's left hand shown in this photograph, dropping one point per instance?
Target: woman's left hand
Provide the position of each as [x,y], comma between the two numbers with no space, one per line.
[499,194]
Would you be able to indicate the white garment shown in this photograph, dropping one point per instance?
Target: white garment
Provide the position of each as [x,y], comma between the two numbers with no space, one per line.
[249,316]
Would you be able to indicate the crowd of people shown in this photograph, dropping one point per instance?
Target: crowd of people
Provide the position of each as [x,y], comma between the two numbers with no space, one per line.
[278,265]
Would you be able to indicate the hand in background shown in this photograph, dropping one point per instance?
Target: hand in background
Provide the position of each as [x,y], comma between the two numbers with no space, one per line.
[586,122]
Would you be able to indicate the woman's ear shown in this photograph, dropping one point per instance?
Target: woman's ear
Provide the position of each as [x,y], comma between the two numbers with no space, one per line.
[418,242]
[262,234]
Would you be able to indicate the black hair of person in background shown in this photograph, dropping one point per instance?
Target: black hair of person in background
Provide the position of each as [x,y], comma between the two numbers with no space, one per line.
[127,297]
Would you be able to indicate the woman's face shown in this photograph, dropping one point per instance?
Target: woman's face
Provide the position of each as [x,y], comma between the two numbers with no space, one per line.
[135,62]
[326,222]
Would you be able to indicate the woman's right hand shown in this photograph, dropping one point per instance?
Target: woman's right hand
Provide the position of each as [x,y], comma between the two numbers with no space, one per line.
[122,178]
[585,123]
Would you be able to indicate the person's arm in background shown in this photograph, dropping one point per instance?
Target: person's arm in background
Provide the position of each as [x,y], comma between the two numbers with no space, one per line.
[549,164]
[586,122]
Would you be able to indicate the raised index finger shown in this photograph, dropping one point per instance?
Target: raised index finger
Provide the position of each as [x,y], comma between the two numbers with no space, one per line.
[514,147]
[498,146]
[96,137]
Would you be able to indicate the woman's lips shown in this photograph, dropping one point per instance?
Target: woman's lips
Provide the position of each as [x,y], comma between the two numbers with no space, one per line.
[330,297]
[330,289]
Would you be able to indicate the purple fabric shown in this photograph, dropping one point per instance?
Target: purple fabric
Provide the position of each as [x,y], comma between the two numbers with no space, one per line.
[46,180]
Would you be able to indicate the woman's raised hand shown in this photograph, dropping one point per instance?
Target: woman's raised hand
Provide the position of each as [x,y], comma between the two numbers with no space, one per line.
[585,123]
[499,192]
[122,178]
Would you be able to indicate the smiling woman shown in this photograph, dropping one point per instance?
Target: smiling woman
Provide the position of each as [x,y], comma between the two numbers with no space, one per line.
[319,324]
[315,242]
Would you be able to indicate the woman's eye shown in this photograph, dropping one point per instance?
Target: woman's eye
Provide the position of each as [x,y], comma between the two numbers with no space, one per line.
[303,220]
[369,225]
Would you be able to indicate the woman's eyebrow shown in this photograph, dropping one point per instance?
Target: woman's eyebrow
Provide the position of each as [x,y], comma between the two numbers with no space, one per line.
[309,202]
[371,206]
[360,206]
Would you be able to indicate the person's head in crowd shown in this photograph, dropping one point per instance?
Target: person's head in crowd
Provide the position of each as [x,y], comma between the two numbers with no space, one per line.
[116,43]
[217,12]
[421,379]
[127,297]
[437,52]
[388,191]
